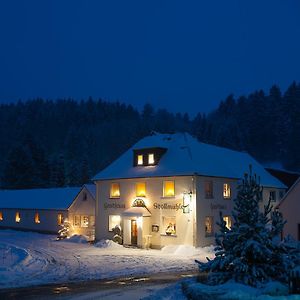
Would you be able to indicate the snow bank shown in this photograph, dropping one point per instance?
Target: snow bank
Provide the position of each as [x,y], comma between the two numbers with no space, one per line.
[236,291]
[185,250]
[76,238]
[108,244]
[11,256]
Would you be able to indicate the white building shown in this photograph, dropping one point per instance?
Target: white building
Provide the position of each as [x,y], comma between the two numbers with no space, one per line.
[170,188]
[290,208]
[44,210]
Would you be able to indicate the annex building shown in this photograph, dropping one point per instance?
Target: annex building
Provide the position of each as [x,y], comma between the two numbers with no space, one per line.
[45,210]
[169,189]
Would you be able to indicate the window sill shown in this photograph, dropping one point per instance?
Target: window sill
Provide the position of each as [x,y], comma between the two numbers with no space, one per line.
[114,198]
[172,235]
[167,197]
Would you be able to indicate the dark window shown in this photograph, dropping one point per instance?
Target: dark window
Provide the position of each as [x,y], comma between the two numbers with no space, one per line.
[208,186]
[272,196]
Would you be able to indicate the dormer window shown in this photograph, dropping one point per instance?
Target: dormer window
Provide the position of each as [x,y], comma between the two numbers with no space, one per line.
[147,156]
[150,159]
[140,160]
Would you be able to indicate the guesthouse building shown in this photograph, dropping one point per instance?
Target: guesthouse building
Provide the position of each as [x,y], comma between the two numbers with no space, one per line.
[169,189]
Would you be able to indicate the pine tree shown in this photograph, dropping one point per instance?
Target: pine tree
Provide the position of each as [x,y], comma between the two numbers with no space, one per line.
[251,251]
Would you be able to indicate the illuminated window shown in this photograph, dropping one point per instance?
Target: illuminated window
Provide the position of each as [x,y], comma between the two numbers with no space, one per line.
[272,196]
[113,221]
[209,226]
[169,225]
[226,191]
[115,190]
[18,217]
[227,220]
[1,216]
[208,188]
[140,188]
[37,218]
[84,221]
[169,188]
[76,221]
[92,221]
[140,160]
[150,159]
[60,219]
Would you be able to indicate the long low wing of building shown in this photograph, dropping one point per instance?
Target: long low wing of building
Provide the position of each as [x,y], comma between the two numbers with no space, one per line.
[45,210]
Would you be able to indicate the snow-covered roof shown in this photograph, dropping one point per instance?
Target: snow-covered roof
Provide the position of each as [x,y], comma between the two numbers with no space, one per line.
[187,156]
[91,188]
[53,198]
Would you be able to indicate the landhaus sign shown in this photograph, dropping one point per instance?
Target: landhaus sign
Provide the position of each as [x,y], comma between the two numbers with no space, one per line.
[113,205]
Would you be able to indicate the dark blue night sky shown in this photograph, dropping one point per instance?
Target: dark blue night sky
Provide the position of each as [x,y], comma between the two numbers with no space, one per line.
[180,55]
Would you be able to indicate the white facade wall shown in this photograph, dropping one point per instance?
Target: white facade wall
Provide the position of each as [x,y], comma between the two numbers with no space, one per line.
[155,202]
[190,227]
[48,219]
[82,207]
[290,209]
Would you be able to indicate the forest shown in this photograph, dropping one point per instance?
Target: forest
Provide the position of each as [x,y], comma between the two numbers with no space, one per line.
[64,142]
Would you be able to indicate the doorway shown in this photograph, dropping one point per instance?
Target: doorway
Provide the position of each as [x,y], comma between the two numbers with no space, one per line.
[133,232]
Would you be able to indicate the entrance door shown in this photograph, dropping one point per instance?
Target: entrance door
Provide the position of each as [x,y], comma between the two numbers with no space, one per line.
[133,232]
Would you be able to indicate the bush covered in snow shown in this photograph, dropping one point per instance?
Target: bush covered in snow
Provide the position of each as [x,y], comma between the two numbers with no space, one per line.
[251,252]
[77,238]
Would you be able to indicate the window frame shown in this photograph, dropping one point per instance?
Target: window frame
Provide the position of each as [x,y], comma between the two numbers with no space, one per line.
[209,234]
[76,224]
[1,216]
[18,217]
[164,189]
[83,224]
[230,221]
[37,219]
[111,196]
[109,222]
[165,227]
[228,186]
[136,189]
[211,184]
[153,159]
[60,219]
[273,198]
[138,161]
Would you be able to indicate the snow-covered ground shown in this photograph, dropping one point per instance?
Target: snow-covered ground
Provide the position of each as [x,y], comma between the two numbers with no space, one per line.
[28,258]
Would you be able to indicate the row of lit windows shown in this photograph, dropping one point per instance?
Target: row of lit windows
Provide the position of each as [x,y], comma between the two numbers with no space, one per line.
[141,159]
[169,224]
[140,189]
[209,224]
[83,221]
[60,218]
[208,190]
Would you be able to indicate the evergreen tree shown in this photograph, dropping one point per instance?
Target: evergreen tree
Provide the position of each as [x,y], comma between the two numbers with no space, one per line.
[250,252]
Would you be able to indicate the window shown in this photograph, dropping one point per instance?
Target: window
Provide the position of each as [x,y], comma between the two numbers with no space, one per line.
[113,221]
[18,217]
[281,194]
[208,189]
[84,221]
[140,160]
[115,190]
[209,226]
[1,216]
[60,219]
[227,220]
[151,159]
[92,221]
[140,188]
[226,191]
[76,221]
[272,196]
[169,188]
[169,225]
[37,218]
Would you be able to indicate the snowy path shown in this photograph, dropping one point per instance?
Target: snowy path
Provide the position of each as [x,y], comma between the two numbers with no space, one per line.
[28,259]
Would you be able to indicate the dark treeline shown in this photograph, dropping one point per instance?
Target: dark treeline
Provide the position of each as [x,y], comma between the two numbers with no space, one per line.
[65,142]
